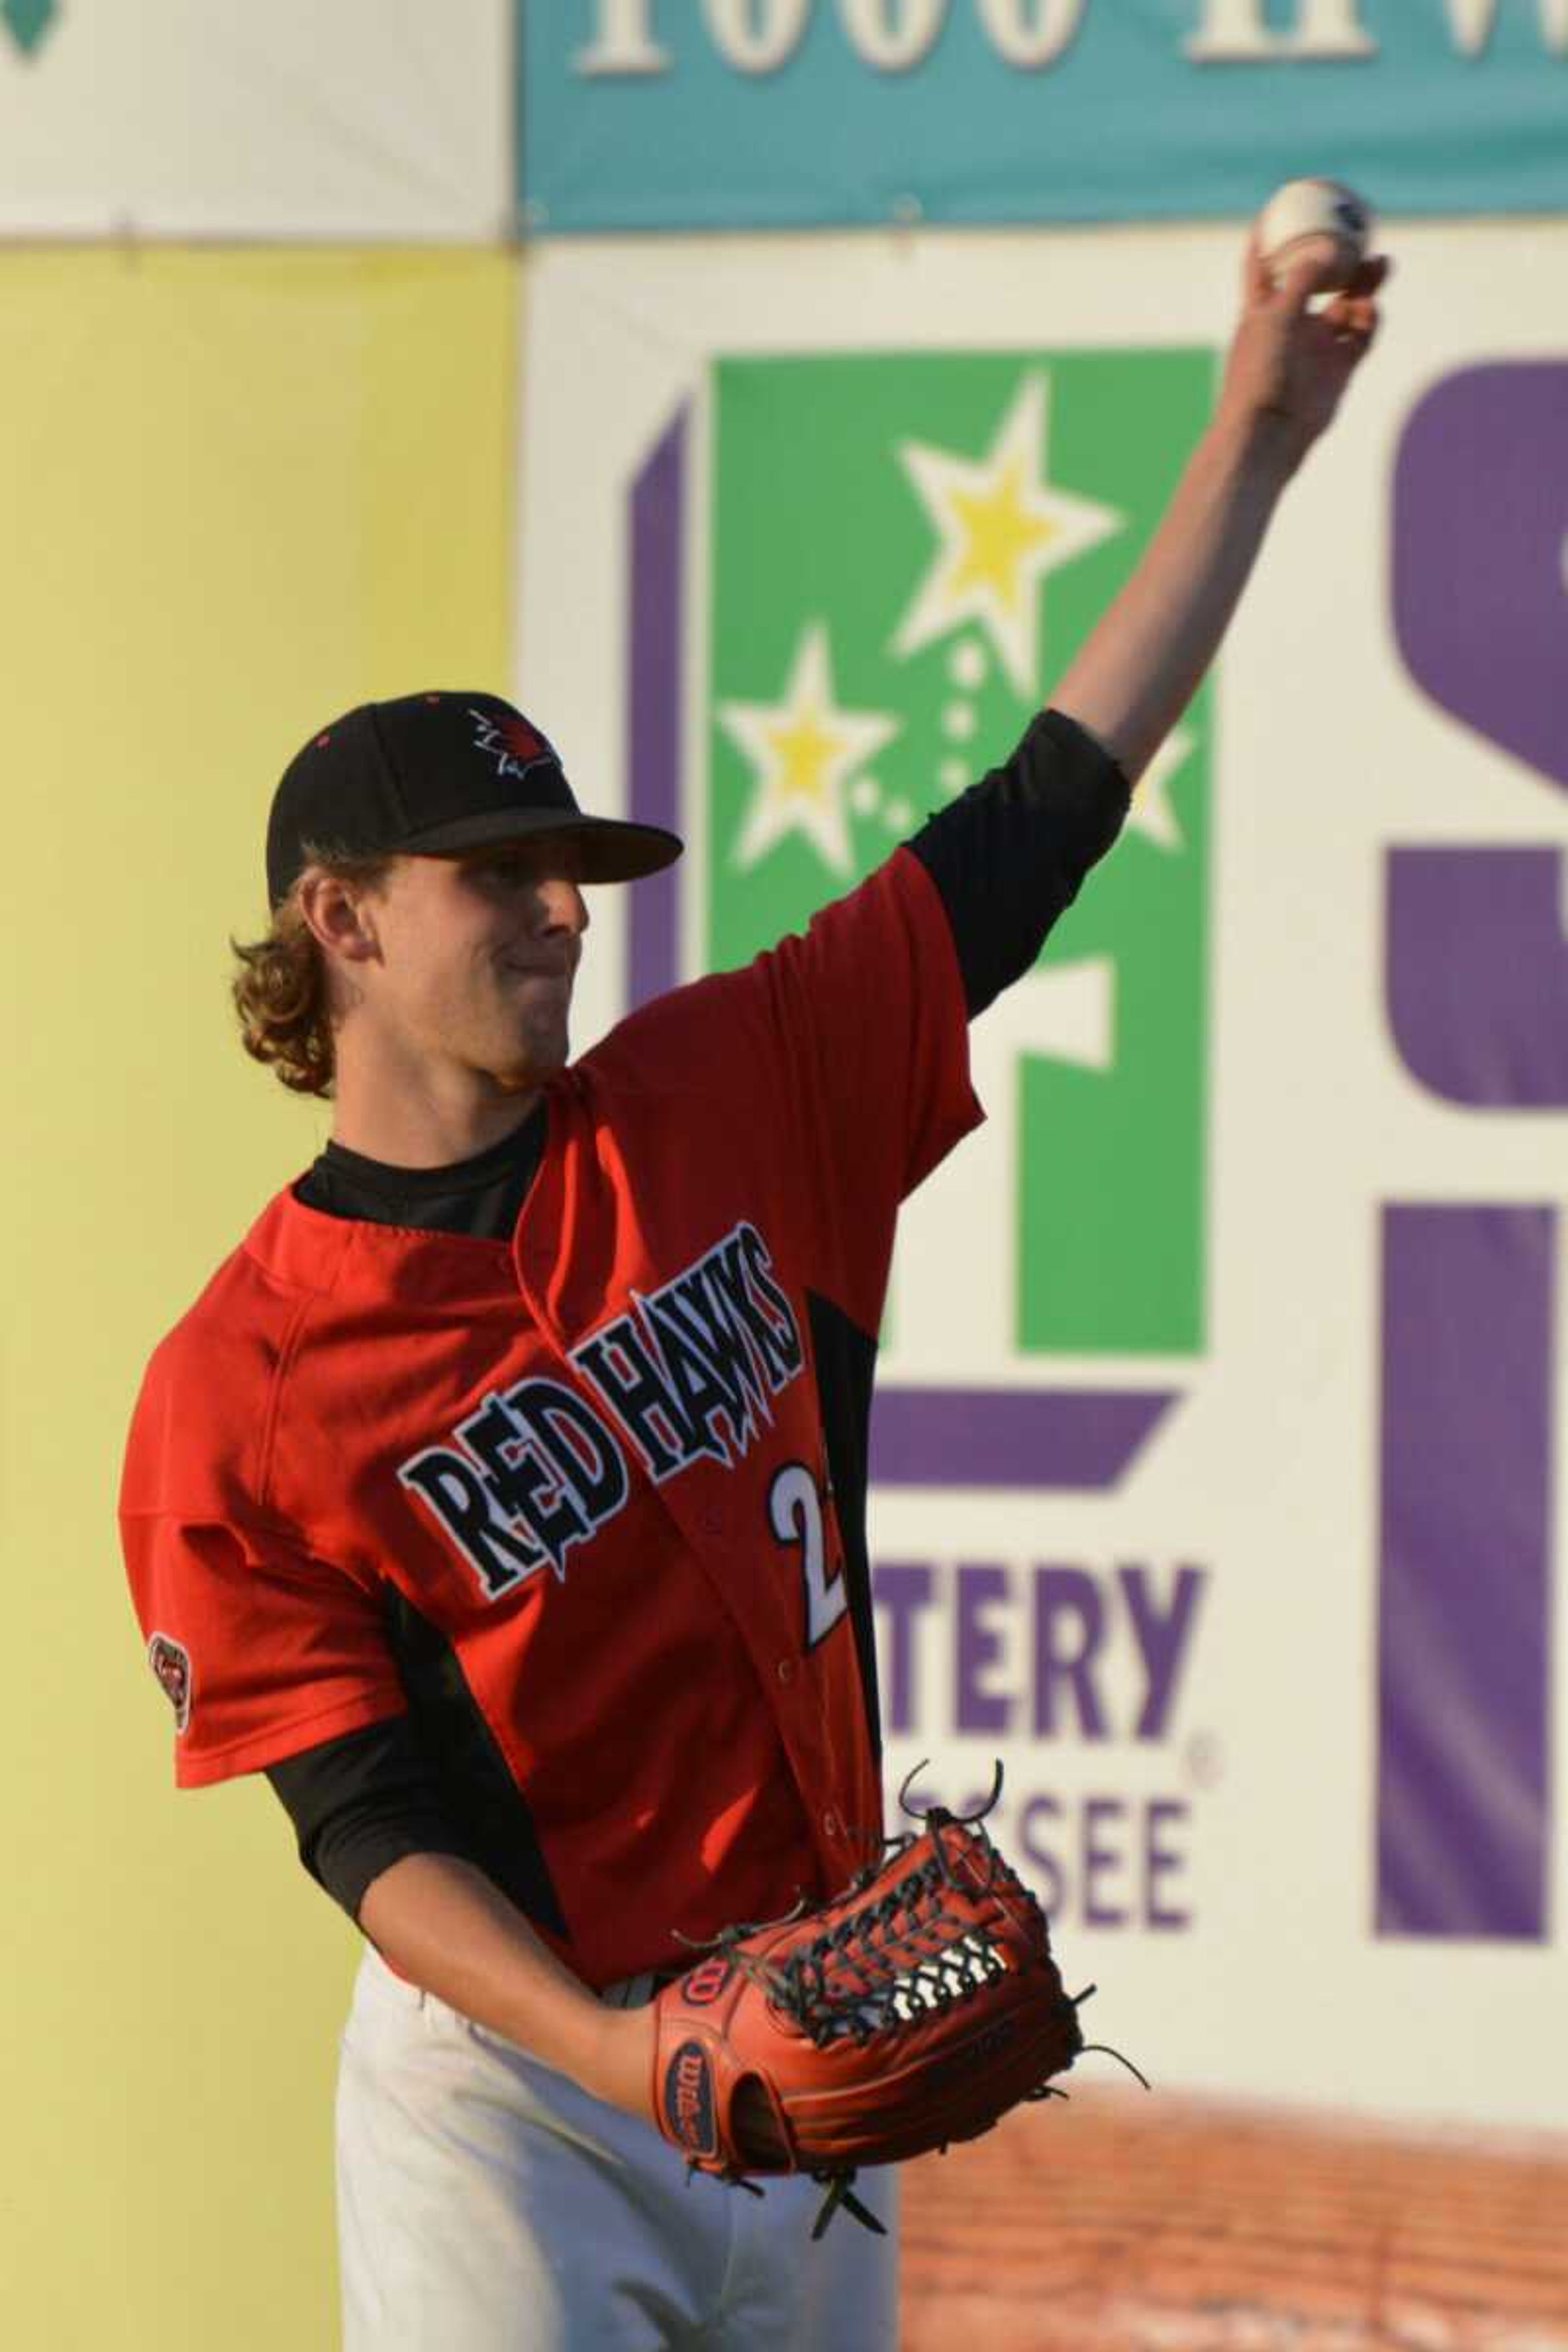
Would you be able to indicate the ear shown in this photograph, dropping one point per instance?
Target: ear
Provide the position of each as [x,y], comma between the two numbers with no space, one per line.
[340,917]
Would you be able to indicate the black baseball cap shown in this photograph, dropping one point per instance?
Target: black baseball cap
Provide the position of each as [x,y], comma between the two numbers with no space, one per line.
[441,772]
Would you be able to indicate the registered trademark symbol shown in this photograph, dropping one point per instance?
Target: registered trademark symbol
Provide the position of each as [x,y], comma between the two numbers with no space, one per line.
[1204,1757]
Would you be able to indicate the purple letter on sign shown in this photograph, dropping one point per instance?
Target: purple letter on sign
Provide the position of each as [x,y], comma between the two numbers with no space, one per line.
[977,1707]
[1464,1613]
[653,703]
[902,1589]
[1478,971]
[1480,513]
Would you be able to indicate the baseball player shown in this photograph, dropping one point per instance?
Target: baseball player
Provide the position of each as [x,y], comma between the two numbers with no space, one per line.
[502,1496]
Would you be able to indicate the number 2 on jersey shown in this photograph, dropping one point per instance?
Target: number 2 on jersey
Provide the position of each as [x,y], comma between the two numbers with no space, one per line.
[794,1514]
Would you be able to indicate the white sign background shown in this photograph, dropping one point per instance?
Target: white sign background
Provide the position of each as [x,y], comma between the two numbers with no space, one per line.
[1266,1475]
[231,118]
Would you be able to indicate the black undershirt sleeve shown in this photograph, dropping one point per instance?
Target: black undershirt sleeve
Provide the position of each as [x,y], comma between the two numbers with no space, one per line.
[1009,854]
[361,1803]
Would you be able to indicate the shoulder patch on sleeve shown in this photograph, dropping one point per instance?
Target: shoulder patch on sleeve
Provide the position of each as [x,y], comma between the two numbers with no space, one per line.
[171,1661]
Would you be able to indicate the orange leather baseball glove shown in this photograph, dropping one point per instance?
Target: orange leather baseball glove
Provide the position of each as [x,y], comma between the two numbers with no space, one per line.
[911,2012]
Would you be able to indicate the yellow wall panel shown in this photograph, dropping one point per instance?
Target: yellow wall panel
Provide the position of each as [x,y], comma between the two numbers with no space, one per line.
[239,492]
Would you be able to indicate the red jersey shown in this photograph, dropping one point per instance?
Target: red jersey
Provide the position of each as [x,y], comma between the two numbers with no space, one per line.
[596,1459]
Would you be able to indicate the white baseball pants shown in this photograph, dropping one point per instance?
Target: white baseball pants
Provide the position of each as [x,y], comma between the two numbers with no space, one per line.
[486,2204]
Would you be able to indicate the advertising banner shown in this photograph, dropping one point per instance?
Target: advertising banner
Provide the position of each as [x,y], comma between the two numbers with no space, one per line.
[1217,1410]
[774,113]
[220,118]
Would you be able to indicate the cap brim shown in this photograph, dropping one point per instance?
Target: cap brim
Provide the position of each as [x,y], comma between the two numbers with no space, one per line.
[603,848]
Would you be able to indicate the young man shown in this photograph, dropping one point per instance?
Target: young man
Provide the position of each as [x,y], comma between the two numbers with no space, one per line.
[502,1498]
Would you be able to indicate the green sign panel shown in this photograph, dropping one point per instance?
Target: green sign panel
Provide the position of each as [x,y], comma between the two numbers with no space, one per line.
[907,550]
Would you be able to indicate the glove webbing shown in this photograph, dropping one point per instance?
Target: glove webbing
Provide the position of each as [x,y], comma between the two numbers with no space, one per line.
[874,1972]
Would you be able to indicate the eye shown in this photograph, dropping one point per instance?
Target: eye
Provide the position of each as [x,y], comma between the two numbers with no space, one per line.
[501,873]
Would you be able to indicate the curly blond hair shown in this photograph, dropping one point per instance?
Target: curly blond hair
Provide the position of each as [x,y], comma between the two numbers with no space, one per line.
[281,989]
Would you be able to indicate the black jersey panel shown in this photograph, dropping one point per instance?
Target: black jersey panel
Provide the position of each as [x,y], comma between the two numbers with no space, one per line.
[846,1360]
[471,1776]
[1009,854]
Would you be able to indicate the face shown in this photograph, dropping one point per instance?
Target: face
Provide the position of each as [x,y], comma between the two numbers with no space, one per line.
[474,960]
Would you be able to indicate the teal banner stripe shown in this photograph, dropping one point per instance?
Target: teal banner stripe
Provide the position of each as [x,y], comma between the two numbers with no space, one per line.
[640,114]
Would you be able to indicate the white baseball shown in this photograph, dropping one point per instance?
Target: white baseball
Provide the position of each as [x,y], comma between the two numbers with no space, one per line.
[1308,213]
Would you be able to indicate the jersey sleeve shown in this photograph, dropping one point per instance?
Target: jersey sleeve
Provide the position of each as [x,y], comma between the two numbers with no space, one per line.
[260,1650]
[865,1026]
[834,1066]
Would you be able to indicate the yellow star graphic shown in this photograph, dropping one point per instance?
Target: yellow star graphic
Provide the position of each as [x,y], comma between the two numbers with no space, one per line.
[1001,525]
[999,532]
[805,752]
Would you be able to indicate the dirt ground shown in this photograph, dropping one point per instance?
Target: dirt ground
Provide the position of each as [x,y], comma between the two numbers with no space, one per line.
[1126,2223]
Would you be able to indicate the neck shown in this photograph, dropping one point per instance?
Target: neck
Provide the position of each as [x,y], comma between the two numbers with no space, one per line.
[425,1118]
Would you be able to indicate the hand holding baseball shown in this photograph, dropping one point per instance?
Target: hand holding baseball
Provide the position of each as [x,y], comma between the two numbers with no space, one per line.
[1289,363]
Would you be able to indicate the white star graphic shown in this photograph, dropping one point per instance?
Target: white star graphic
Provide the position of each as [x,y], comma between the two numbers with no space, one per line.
[1001,527]
[804,753]
[1152,813]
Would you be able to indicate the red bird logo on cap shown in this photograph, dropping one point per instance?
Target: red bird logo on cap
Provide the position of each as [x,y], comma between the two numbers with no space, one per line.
[519,737]
[509,739]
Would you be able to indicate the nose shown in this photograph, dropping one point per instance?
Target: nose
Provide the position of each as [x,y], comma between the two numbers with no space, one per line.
[563,905]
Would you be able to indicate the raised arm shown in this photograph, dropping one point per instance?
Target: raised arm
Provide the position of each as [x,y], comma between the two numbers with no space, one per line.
[1284,378]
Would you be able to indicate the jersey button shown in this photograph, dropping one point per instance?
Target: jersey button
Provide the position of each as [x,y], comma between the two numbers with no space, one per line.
[787,1670]
[830,1823]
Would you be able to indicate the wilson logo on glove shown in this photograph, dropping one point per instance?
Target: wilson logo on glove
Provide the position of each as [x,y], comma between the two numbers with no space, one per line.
[688,2109]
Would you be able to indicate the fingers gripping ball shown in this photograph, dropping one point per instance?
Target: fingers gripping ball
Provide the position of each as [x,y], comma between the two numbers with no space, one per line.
[914,2010]
[1313,217]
